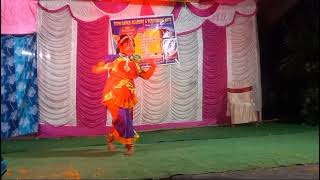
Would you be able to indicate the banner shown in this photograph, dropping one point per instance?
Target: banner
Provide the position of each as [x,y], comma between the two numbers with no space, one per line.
[155,37]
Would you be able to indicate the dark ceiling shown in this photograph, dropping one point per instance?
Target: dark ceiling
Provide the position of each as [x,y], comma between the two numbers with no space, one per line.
[271,11]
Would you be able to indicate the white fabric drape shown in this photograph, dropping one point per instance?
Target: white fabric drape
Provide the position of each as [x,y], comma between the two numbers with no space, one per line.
[83,10]
[242,108]
[53,5]
[186,85]
[174,92]
[163,9]
[200,74]
[225,14]
[154,97]
[243,57]
[187,21]
[56,68]
[203,5]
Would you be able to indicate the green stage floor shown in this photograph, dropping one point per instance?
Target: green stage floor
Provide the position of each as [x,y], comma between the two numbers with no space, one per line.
[162,154]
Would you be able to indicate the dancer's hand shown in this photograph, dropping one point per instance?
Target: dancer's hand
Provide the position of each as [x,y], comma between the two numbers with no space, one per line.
[100,67]
[152,62]
[146,74]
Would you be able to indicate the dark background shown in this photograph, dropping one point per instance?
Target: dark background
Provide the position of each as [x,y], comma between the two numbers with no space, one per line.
[288,40]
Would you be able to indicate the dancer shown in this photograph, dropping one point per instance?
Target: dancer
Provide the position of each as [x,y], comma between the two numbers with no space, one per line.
[119,94]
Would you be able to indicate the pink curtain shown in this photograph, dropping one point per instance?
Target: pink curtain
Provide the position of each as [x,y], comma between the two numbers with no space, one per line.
[176,10]
[49,131]
[111,7]
[18,16]
[214,73]
[92,48]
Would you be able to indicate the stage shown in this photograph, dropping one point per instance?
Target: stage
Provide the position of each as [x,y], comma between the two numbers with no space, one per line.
[162,154]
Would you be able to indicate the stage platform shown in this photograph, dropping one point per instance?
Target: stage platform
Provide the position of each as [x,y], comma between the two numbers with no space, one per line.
[162,154]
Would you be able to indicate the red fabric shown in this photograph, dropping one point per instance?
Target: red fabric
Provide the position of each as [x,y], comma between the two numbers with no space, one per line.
[107,4]
[229,2]
[110,6]
[240,90]
[214,73]
[92,46]
[49,131]
[146,9]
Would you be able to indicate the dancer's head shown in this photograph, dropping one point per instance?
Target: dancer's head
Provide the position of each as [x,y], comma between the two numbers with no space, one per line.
[126,45]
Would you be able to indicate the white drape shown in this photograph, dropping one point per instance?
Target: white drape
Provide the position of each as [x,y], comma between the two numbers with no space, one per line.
[174,92]
[56,68]
[242,55]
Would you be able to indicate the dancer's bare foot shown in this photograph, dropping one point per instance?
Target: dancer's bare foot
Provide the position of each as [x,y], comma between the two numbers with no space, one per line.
[130,150]
[111,147]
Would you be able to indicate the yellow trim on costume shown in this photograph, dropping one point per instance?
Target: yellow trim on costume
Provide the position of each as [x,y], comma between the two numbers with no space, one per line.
[138,67]
[114,135]
[121,140]
[108,96]
[136,136]
[116,63]
[127,83]
[108,66]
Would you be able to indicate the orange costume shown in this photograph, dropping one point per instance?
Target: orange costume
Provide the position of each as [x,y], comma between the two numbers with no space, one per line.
[119,94]
[119,91]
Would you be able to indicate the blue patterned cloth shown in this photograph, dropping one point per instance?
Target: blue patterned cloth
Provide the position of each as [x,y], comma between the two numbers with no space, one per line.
[19,89]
